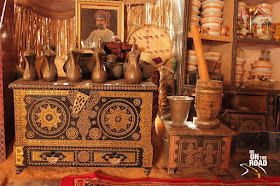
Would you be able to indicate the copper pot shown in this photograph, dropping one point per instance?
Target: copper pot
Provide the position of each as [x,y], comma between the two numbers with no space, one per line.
[179,109]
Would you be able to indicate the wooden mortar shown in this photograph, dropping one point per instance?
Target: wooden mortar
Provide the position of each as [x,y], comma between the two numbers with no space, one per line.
[208,94]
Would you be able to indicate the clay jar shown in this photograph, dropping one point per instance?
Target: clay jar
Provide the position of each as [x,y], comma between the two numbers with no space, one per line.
[48,69]
[133,73]
[74,73]
[113,68]
[30,73]
[99,74]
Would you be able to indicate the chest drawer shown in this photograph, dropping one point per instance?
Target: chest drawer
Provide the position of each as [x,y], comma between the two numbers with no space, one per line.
[106,157]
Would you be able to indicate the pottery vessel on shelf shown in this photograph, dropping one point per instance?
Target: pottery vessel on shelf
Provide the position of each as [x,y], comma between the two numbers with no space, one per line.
[192,63]
[212,6]
[211,21]
[260,74]
[240,64]
[193,12]
[114,70]
[258,67]
[195,5]
[211,14]
[211,30]
[147,69]
[265,6]
[211,64]
[87,63]
[215,56]
[194,19]
[266,63]
[192,55]
[239,71]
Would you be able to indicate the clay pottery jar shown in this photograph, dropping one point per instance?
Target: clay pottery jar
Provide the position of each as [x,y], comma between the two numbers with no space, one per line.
[114,70]
[147,70]
[133,73]
[74,73]
[99,74]
[87,63]
[30,73]
[48,69]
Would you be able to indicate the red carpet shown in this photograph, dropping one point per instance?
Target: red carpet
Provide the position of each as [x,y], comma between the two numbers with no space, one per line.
[97,179]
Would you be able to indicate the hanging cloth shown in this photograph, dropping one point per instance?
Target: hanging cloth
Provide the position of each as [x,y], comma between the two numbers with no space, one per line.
[55,9]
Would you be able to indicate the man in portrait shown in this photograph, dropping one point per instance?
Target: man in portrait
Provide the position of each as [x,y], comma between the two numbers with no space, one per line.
[102,20]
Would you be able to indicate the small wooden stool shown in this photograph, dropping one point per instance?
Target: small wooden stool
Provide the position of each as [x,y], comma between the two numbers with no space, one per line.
[197,148]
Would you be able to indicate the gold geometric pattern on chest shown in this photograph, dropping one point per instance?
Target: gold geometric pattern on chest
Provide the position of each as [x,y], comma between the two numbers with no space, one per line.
[48,117]
[118,118]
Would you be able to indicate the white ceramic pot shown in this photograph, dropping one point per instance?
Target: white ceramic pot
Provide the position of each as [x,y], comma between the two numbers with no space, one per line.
[240,64]
[260,19]
[211,22]
[264,63]
[195,13]
[194,18]
[195,5]
[215,56]
[259,74]
[192,55]
[212,6]
[211,14]
[257,67]
[265,6]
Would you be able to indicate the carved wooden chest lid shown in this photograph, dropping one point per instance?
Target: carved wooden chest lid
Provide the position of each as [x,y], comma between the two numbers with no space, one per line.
[63,84]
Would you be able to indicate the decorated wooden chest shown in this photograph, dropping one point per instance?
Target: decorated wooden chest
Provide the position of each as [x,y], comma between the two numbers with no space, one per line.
[83,124]
[197,148]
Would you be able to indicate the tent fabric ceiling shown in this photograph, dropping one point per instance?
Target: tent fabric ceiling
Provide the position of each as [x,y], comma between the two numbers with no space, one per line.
[61,9]
[56,9]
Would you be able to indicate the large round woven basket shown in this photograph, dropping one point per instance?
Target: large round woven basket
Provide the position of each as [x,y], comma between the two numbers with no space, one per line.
[152,40]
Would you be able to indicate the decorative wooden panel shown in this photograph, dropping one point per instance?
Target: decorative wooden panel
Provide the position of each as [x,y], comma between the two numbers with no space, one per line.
[83,124]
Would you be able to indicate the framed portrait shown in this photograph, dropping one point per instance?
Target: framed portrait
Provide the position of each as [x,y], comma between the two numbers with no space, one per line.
[99,19]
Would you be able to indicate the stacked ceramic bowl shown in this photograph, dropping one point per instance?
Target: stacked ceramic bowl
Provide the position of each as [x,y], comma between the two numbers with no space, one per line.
[213,61]
[193,13]
[266,8]
[261,70]
[242,13]
[212,16]
[239,71]
[192,62]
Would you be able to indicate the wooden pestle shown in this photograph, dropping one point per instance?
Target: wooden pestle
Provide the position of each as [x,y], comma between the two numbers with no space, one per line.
[201,63]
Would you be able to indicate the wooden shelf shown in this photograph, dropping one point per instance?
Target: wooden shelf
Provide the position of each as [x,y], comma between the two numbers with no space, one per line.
[261,41]
[213,38]
[246,91]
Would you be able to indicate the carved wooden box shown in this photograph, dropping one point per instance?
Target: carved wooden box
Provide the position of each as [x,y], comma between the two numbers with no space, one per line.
[197,148]
[83,124]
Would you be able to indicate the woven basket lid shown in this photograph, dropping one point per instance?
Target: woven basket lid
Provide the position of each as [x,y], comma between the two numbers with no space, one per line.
[152,40]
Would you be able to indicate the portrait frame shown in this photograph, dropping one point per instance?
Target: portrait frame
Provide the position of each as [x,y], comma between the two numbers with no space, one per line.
[85,24]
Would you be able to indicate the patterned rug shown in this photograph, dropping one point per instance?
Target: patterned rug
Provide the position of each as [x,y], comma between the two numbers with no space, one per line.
[100,180]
